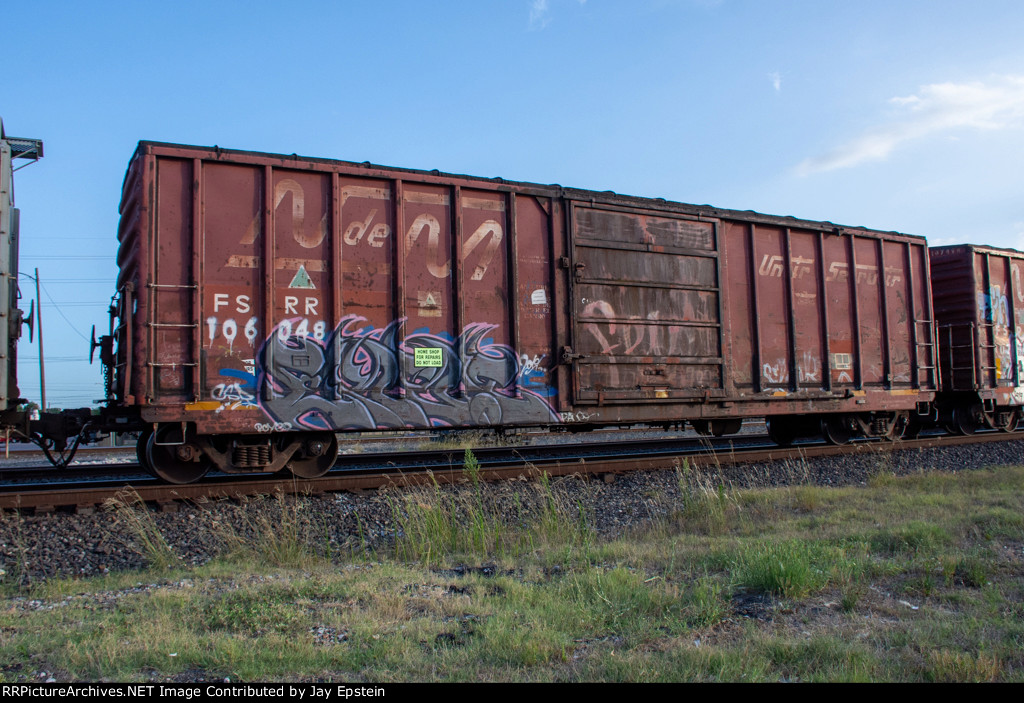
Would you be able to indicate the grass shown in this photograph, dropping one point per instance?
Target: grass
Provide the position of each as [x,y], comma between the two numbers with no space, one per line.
[276,534]
[434,524]
[784,568]
[143,534]
[907,579]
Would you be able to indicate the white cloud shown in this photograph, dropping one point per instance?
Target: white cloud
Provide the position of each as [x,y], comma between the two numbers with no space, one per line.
[776,78]
[540,14]
[936,108]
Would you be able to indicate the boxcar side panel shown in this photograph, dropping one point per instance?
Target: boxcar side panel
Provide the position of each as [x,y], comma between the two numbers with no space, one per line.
[979,307]
[646,303]
[843,342]
[1015,298]
[533,306]
[822,314]
[321,298]
[897,316]
[234,297]
[367,275]
[806,310]
[280,293]
[741,312]
[171,321]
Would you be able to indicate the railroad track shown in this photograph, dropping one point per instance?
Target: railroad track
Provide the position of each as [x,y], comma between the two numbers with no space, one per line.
[370,449]
[90,486]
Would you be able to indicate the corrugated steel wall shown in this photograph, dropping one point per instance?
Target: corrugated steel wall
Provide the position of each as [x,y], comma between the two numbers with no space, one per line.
[276,293]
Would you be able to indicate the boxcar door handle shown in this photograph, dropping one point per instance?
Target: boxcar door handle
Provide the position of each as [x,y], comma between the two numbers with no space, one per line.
[568,356]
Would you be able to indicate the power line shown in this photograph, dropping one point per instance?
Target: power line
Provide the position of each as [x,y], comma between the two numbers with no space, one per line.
[73,239]
[61,313]
[82,304]
[46,257]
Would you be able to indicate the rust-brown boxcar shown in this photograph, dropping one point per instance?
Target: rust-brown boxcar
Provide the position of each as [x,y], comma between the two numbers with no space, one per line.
[736,314]
[267,302]
[979,313]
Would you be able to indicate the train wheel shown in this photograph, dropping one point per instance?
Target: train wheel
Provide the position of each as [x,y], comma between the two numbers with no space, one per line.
[316,456]
[836,430]
[721,428]
[965,419]
[717,428]
[141,446]
[913,428]
[174,463]
[780,431]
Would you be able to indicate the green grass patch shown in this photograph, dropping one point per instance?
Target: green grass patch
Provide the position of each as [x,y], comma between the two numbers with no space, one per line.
[796,568]
[438,524]
[906,579]
[914,537]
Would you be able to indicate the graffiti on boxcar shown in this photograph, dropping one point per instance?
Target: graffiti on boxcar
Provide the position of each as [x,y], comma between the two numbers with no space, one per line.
[240,393]
[529,363]
[994,308]
[775,374]
[232,396]
[631,336]
[265,427]
[366,378]
[533,376]
[604,333]
[809,368]
[1018,343]
[578,416]
[617,335]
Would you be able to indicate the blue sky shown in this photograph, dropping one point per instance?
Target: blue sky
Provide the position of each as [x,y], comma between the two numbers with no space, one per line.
[901,115]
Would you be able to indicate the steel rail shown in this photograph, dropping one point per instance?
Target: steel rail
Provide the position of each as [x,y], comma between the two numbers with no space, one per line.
[85,497]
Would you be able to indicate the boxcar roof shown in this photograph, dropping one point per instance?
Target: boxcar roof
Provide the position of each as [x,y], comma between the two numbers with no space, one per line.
[294,161]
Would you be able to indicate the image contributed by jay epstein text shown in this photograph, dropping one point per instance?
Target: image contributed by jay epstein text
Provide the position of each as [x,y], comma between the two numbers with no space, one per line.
[302,692]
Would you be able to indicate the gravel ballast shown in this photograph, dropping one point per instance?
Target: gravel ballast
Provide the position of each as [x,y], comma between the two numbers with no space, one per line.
[36,547]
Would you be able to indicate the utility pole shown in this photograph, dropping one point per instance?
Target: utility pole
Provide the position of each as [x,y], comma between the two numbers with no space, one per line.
[39,327]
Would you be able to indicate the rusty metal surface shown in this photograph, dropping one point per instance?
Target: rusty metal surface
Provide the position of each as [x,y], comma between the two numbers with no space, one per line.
[829,315]
[646,300]
[746,317]
[979,310]
[277,293]
[274,295]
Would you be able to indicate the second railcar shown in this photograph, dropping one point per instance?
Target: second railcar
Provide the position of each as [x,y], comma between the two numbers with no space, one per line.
[979,313]
[267,302]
